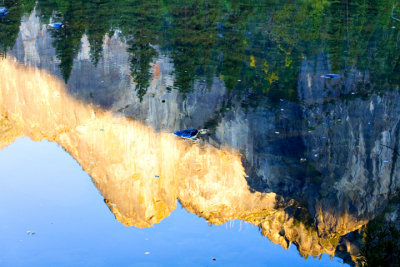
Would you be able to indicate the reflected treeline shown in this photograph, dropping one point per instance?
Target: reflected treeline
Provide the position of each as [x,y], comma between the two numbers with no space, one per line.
[362,34]
[9,25]
[255,47]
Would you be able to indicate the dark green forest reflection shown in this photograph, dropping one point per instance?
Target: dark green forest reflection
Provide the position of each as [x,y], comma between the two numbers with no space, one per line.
[9,25]
[255,47]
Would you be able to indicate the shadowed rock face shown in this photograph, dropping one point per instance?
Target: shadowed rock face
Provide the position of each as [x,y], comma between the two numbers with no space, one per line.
[309,172]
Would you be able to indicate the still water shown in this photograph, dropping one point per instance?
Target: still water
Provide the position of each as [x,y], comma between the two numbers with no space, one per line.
[52,196]
[292,156]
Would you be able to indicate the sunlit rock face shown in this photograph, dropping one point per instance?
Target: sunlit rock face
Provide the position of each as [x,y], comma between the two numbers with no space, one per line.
[140,172]
[125,158]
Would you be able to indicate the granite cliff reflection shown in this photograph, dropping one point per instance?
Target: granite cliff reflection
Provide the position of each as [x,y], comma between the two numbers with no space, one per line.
[327,149]
[141,173]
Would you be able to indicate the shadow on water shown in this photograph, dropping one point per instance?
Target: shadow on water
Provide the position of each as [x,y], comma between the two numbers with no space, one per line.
[251,74]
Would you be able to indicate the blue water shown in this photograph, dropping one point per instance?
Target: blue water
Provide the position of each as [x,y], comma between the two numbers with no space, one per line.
[44,190]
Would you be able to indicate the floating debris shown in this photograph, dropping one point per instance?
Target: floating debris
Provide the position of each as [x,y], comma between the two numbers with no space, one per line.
[282,109]
[30,233]
[101,130]
[386,161]
[147,253]
[56,25]
[303,160]
[353,93]
[316,155]
[91,163]
[330,76]
[163,101]
[157,176]
[190,133]
[393,14]
[3,12]
[214,259]
[277,132]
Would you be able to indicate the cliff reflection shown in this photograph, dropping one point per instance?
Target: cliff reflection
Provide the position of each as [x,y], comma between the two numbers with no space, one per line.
[141,173]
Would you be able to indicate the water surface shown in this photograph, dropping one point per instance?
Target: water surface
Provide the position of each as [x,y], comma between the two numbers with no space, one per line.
[312,162]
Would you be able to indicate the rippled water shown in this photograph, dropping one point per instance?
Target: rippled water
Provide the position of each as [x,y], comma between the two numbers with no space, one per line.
[310,159]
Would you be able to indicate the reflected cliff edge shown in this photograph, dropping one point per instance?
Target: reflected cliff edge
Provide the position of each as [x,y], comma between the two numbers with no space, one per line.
[310,161]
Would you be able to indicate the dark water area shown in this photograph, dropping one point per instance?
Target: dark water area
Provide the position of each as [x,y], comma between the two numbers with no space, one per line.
[311,160]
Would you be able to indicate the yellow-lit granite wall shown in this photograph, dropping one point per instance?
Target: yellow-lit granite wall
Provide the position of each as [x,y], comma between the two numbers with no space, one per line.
[140,172]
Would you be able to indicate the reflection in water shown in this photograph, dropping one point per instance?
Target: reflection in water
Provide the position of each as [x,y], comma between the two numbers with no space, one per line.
[9,25]
[251,74]
[141,173]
